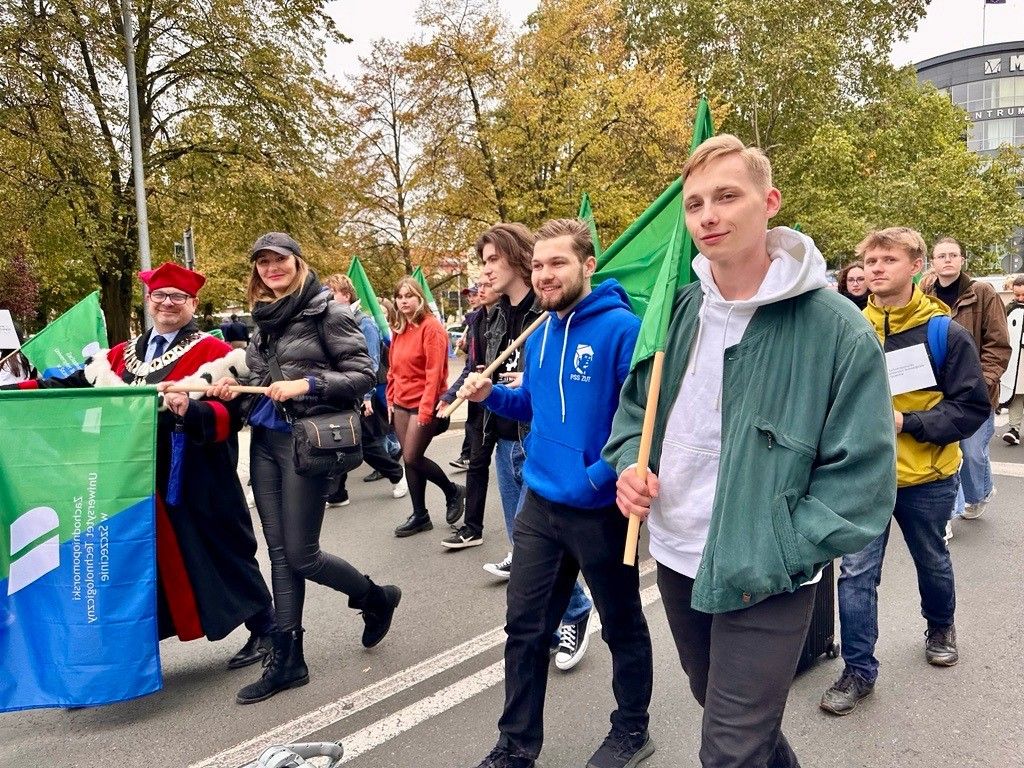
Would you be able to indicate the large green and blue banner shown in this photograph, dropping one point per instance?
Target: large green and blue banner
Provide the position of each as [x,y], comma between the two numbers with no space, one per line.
[78,623]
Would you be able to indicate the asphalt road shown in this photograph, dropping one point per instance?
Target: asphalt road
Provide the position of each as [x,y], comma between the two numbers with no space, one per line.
[430,695]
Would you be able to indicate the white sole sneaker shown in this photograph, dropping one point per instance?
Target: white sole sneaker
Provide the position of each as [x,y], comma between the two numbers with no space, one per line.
[564,661]
[399,489]
[974,511]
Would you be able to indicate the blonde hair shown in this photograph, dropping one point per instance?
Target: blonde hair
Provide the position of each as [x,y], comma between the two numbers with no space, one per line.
[757,163]
[339,283]
[259,291]
[908,239]
[577,229]
[399,322]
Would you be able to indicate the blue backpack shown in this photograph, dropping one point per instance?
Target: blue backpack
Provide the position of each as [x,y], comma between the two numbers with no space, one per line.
[938,335]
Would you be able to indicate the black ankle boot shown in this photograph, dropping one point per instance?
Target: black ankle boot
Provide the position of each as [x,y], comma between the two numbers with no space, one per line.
[414,524]
[284,667]
[377,606]
[255,648]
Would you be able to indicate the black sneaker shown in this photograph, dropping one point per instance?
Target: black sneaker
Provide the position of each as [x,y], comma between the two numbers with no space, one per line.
[1011,436]
[502,570]
[414,525]
[574,641]
[848,690]
[502,758]
[622,750]
[462,538]
[455,505]
[373,477]
[461,464]
[940,646]
[338,500]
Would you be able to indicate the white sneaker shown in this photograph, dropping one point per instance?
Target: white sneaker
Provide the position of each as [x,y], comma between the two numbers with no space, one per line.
[575,639]
[974,511]
[949,531]
[502,570]
[399,489]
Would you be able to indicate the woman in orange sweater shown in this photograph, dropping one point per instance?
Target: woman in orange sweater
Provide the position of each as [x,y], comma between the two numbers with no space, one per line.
[416,380]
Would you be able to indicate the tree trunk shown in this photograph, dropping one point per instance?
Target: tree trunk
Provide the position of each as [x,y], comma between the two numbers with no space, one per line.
[116,292]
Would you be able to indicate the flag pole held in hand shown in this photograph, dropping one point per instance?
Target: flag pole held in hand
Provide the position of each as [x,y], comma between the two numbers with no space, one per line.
[489,370]
[238,389]
[644,454]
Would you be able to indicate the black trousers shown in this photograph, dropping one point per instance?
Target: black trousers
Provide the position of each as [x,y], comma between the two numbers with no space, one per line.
[479,473]
[553,543]
[291,508]
[740,665]
[375,453]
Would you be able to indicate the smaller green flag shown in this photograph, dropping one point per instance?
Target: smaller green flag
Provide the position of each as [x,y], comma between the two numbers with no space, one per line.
[587,214]
[419,277]
[676,268]
[62,347]
[367,298]
[217,333]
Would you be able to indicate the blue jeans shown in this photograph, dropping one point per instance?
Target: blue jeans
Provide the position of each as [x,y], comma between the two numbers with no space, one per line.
[509,457]
[976,472]
[921,512]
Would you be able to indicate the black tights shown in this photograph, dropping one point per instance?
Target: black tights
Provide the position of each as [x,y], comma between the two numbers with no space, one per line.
[291,509]
[414,440]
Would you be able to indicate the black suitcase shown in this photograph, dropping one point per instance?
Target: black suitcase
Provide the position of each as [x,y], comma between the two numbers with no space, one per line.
[821,637]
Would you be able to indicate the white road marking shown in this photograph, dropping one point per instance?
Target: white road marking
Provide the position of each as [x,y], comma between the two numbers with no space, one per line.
[1007,469]
[338,710]
[385,729]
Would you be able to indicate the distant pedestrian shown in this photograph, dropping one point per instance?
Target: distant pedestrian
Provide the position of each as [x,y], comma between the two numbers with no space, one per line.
[416,380]
[1012,434]
[853,284]
[236,333]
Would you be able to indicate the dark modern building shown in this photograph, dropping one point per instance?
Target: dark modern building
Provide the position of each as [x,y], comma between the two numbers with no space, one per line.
[987,81]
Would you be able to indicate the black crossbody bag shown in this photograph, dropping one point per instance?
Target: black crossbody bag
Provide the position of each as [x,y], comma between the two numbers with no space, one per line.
[323,444]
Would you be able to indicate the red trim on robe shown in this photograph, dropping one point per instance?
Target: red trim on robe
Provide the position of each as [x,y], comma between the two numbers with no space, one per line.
[222,420]
[30,384]
[181,601]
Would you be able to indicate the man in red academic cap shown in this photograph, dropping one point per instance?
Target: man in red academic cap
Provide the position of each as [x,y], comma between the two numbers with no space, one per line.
[209,581]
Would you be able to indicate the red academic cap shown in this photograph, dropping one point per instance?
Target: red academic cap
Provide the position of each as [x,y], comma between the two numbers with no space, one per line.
[171,275]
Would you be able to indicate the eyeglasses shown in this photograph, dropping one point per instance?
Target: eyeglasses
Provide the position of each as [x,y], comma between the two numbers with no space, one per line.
[159,297]
[856,279]
[946,257]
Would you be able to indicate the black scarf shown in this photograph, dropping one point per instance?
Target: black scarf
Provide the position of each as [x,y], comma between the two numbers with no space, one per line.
[273,316]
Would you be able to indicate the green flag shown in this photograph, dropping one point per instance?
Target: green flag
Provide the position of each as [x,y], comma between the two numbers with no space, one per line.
[675,269]
[418,275]
[587,214]
[367,298]
[62,347]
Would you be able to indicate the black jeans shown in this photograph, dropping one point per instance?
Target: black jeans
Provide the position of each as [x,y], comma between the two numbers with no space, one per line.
[741,665]
[291,509]
[375,452]
[553,543]
[479,473]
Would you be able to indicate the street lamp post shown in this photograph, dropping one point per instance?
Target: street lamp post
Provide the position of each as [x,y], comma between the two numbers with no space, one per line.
[138,171]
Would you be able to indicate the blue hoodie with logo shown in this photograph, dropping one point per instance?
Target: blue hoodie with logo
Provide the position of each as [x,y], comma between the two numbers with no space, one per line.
[575,367]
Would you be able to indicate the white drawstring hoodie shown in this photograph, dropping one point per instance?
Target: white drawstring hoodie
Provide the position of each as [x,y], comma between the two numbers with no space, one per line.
[681,515]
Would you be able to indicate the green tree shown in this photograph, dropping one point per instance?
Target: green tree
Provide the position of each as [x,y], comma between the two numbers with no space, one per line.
[248,75]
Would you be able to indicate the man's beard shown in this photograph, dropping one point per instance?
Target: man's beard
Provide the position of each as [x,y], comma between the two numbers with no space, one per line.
[570,295]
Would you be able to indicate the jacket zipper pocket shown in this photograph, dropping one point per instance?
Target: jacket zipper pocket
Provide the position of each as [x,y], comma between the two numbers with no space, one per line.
[773,436]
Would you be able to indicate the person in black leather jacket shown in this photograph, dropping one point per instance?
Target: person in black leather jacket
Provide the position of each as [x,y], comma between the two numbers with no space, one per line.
[323,362]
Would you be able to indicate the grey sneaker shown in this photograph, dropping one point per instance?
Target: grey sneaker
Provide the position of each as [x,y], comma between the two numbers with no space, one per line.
[976,510]
[622,750]
[940,646]
[844,695]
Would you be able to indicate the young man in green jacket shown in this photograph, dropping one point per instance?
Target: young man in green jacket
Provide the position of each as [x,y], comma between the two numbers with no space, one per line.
[773,452]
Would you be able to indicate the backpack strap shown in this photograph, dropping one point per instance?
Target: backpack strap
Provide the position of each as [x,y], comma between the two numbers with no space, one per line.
[938,336]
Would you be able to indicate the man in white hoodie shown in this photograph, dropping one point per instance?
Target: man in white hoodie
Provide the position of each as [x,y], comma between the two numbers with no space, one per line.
[774,405]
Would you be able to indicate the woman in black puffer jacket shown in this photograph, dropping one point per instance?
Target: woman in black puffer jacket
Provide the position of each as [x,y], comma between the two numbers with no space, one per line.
[323,360]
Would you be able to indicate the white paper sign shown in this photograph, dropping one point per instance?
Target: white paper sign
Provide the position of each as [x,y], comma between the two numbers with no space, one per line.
[8,336]
[909,369]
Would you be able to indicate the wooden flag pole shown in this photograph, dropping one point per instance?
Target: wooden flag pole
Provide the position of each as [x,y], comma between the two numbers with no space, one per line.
[9,355]
[644,454]
[489,370]
[236,388]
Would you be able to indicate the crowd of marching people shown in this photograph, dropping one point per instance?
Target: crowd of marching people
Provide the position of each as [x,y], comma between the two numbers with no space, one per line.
[777,397]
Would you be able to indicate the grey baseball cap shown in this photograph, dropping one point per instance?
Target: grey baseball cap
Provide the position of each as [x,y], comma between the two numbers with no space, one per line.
[278,242]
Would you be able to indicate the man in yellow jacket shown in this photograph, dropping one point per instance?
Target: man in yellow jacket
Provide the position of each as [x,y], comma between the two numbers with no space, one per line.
[939,398]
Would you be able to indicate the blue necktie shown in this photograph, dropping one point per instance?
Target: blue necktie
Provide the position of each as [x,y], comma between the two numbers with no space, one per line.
[159,343]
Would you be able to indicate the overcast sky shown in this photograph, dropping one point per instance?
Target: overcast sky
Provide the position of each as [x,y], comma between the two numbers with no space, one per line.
[949,26]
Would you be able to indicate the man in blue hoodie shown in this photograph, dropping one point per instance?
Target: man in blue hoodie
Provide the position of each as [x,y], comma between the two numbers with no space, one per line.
[575,366]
